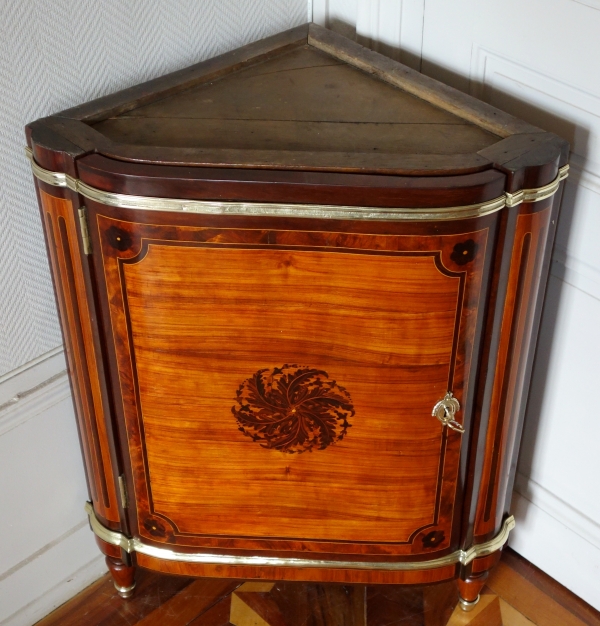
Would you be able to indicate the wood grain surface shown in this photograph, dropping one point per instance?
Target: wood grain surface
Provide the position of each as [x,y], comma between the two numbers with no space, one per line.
[524,275]
[462,105]
[76,320]
[307,99]
[274,186]
[174,82]
[197,319]
[297,574]
[242,311]
[302,100]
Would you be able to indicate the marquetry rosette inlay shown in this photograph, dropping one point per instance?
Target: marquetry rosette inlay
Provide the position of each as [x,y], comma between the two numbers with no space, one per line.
[118,238]
[293,409]
[464,252]
[430,540]
[433,539]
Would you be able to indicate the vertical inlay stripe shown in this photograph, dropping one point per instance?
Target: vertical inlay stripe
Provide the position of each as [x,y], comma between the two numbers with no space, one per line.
[84,377]
[525,251]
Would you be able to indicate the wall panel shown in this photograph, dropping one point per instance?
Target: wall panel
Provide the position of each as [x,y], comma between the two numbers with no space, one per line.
[391,27]
[60,53]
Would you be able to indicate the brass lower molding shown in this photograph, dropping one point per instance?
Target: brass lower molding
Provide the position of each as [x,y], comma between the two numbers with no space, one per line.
[135,545]
[147,203]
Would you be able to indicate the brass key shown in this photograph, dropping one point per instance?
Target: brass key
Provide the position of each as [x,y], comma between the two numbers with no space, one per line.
[446,409]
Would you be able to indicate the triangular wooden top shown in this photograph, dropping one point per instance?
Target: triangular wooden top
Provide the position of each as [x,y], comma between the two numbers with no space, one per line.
[307,99]
[302,100]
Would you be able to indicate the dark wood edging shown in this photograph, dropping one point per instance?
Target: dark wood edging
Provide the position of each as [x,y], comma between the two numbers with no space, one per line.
[448,98]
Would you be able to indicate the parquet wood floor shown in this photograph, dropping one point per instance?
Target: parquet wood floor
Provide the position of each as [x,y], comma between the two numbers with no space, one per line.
[517,594]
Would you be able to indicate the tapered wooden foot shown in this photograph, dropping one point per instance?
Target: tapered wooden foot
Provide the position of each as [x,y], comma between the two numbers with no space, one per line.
[123,576]
[469,590]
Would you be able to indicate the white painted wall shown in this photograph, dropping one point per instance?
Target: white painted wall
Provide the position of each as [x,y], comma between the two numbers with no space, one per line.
[55,54]
[47,553]
[537,60]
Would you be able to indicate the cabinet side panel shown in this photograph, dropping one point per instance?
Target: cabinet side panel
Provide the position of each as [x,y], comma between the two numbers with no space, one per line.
[517,337]
[76,321]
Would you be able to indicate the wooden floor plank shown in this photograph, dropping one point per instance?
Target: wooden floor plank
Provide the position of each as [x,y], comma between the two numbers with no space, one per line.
[512,617]
[395,605]
[190,602]
[517,594]
[491,616]
[526,598]
[101,605]
[217,615]
[486,612]
[254,610]
[438,603]
[552,588]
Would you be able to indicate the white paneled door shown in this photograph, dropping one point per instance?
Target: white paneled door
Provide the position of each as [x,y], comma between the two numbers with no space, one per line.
[537,60]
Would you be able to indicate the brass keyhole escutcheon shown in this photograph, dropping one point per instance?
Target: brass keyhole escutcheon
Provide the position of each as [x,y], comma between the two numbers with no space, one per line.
[446,409]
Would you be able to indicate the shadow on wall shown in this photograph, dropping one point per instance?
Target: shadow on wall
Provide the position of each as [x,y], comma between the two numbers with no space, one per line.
[567,129]
[388,50]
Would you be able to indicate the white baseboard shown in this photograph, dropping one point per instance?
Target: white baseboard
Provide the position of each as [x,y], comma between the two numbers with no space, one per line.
[32,388]
[554,536]
[20,381]
[52,554]
[49,578]
[33,402]
[588,529]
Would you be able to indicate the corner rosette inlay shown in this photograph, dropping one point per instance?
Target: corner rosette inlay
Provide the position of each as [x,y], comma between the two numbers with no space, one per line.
[293,409]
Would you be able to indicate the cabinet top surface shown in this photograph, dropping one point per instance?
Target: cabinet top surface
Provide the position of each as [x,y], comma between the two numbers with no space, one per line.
[300,100]
[306,99]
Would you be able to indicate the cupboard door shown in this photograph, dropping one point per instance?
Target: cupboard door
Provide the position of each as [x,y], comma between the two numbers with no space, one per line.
[277,386]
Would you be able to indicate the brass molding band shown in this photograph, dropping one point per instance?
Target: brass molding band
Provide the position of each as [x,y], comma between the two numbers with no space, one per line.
[147,203]
[135,545]
[541,193]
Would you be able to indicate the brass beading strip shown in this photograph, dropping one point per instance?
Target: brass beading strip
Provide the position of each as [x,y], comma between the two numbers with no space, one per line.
[147,203]
[136,545]
[541,193]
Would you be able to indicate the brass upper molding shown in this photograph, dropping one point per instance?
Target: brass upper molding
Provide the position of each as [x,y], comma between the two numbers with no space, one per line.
[57,179]
[147,203]
[136,545]
[541,193]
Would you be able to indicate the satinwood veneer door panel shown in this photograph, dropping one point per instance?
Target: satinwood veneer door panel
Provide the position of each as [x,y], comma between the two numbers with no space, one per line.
[277,385]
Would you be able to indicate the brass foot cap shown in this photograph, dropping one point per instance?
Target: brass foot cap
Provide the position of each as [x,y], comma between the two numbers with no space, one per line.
[125,592]
[465,605]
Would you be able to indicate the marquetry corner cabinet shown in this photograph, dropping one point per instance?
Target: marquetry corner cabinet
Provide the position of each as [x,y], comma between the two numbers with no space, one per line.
[300,288]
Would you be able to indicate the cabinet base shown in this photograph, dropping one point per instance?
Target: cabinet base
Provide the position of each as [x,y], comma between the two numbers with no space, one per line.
[206,561]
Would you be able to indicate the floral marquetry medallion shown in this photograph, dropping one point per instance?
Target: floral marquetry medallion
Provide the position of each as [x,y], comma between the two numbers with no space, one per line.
[293,409]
